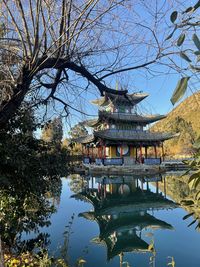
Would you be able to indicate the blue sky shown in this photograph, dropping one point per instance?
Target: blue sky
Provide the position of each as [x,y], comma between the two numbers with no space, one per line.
[133,34]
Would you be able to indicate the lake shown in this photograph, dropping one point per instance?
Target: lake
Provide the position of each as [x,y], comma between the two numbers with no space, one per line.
[125,221]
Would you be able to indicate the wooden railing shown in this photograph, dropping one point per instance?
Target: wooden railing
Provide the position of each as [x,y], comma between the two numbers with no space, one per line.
[106,161]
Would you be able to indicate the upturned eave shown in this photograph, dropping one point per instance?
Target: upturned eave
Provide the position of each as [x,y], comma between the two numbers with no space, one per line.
[128,135]
[127,117]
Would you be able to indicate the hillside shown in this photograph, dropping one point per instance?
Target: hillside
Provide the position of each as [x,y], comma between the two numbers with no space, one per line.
[185,119]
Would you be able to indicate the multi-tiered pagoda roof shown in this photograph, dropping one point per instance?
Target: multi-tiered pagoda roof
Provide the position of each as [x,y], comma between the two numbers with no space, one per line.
[120,129]
[113,115]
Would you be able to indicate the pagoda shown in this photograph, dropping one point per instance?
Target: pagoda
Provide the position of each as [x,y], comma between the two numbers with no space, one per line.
[120,134]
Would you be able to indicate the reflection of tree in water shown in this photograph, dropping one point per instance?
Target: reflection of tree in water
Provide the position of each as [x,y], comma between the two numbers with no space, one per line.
[76,183]
[25,209]
[178,189]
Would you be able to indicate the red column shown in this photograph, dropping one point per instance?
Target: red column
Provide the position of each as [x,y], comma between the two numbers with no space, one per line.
[155,149]
[99,188]
[121,152]
[142,185]
[82,150]
[165,188]
[146,152]
[104,151]
[140,153]
[105,191]
[157,188]
[92,153]
[163,153]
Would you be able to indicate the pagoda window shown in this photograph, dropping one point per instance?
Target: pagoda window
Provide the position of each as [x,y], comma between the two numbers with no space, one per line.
[138,127]
[108,109]
[133,110]
[121,109]
[106,126]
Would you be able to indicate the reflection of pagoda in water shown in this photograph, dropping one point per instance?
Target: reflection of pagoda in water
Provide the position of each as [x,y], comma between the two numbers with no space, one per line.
[123,209]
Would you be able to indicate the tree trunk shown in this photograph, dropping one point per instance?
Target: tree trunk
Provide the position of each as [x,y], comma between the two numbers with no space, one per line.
[9,108]
[1,255]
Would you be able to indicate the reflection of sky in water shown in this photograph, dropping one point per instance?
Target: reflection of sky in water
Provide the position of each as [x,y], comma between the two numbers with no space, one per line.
[182,243]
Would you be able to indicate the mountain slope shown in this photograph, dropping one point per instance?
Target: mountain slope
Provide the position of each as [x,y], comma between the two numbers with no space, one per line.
[185,119]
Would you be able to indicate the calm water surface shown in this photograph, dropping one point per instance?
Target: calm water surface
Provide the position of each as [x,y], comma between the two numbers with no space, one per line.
[123,220]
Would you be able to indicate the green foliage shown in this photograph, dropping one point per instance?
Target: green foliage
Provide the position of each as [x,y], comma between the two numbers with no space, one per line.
[29,171]
[2,29]
[181,39]
[194,165]
[173,16]
[77,131]
[171,34]
[186,20]
[53,131]
[189,9]
[197,5]
[196,41]
[180,90]
[172,262]
[67,233]
[185,57]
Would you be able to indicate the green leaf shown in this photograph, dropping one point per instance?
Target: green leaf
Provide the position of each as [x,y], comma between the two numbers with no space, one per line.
[187,202]
[194,68]
[2,30]
[191,184]
[180,89]
[195,175]
[189,9]
[184,56]
[196,41]
[188,215]
[197,53]
[197,181]
[198,226]
[192,223]
[171,34]
[197,5]
[173,16]
[197,195]
[181,39]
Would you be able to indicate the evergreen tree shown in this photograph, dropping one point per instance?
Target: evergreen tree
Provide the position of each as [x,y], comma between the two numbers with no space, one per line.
[77,131]
[53,131]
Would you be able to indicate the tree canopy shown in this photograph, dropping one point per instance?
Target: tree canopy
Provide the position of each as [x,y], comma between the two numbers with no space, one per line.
[53,50]
[53,131]
[185,32]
